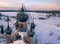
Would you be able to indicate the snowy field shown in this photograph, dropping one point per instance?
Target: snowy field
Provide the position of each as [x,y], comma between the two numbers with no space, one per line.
[46,30]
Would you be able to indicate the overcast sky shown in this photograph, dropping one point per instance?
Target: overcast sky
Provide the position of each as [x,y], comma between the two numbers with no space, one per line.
[17,3]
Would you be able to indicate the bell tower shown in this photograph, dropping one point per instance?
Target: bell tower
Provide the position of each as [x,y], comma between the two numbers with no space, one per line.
[22,17]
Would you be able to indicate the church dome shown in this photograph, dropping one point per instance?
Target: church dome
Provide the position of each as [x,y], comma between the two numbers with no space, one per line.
[32,25]
[22,16]
[8,30]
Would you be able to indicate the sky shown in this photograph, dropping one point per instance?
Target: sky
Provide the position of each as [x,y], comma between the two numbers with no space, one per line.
[41,3]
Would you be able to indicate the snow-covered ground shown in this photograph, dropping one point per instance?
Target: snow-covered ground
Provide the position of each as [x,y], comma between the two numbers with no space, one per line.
[46,30]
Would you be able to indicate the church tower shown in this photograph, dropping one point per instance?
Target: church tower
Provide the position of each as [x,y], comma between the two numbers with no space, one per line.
[22,18]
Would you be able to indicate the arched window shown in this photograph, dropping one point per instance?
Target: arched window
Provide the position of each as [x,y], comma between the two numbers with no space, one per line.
[21,25]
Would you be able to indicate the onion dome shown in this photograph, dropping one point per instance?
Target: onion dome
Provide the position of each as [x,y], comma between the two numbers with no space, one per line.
[18,37]
[32,25]
[2,29]
[8,30]
[22,16]
[30,33]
